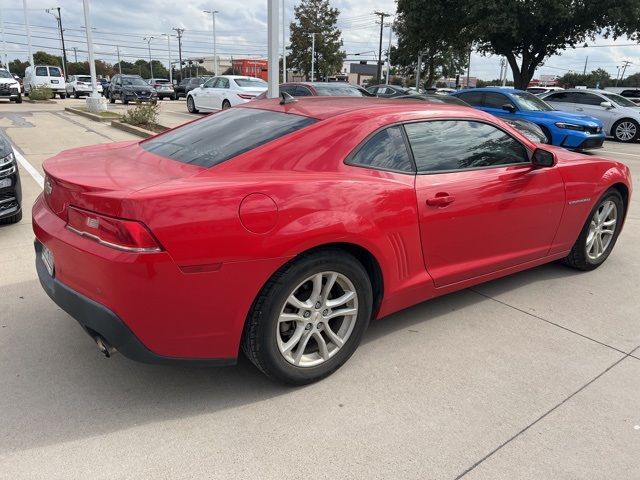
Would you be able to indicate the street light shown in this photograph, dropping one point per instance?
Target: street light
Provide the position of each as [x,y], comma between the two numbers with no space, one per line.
[95,103]
[169,47]
[213,24]
[58,18]
[148,40]
[313,54]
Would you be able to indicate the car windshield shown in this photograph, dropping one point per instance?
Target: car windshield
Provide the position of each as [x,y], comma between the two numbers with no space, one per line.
[338,91]
[530,103]
[251,82]
[84,79]
[536,90]
[5,74]
[224,135]
[134,82]
[619,100]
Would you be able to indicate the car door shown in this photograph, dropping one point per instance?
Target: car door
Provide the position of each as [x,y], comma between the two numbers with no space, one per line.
[589,104]
[482,205]
[222,92]
[204,97]
[494,103]
[563,101]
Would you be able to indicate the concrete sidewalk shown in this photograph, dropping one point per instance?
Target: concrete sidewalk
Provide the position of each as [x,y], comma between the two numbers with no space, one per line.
[533,376]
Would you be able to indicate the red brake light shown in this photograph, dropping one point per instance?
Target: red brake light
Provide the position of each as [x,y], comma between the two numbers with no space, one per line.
[127,235]
[246,96]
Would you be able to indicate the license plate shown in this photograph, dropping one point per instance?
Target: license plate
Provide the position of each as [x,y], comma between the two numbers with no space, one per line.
[47,259]
[54,81]
[5,182]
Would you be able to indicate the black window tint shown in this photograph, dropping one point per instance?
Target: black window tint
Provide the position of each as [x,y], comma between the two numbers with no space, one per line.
[562,97]
[55,72]
[458,145]
[386,150]
[584,98]
[224,135]
[302,91]
[41,72]
[631,93]
[495,100]
[290,89]
[472,98]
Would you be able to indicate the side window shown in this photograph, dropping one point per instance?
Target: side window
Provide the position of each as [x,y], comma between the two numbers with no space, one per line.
[562,97]
[211,82]
[290,89]
[222,83]
[472,98]
[495,100]
[41,72]
[586,98]
[302,92]
[71,78]
[386,150]
[457,145]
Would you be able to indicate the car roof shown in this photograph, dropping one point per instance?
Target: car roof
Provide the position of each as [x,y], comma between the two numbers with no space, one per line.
[505,90]
[322,108]
[590,90]
[322,84]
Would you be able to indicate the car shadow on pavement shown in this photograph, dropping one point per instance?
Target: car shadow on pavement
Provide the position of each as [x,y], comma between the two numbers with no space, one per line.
[57,387]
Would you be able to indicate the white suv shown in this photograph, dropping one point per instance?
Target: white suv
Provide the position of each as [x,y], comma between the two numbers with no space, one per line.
[78,85]
[621,117]
[9,87]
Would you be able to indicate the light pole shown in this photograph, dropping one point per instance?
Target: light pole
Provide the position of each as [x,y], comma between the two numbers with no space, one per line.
[28,28]
[313,54]
[58,18]
[169,48]
[119,64]
[213,12]
[4,45]
[179,31]
[95,103]
[389,53]
[148,40]
[284,47]
[273,31]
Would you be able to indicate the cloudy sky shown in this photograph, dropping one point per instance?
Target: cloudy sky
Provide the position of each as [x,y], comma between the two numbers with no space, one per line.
[241,32]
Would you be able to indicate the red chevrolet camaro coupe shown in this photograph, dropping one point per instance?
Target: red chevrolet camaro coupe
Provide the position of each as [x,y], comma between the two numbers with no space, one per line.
[282,228]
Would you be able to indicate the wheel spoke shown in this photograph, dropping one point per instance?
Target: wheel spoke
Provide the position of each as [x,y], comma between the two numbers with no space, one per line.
[317,288]
[290,317]
[337,341]
[341,312]
[328,286]
[293,341]
[336,302]
[322,346]
[302,344]
[599,246]
[294,301]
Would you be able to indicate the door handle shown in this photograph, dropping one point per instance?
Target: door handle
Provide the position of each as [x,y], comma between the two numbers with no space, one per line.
[440,200]
[580,109]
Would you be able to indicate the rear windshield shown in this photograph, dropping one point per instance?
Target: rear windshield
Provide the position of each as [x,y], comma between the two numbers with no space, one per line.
[162,81]
[55,72]
[224,135]
[338,91]
[41,72]
[250,82]
[83,79]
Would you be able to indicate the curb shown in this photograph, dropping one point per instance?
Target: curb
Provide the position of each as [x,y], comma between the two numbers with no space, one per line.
[28,100]
[141,132]
[92,116]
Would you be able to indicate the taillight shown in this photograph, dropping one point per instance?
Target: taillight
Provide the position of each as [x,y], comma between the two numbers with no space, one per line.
[80,83]
[246,96]
[127,235]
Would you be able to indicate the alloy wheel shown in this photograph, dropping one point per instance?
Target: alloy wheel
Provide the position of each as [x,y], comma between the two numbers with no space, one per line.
[317,319]
[601,230]
[626,131]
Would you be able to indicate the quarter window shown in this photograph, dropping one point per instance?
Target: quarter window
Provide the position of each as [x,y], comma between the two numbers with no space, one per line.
[472,98]
[495,100]
[458,145]
[386,150]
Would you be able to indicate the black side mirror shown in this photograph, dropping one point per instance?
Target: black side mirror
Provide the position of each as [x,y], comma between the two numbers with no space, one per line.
[543,159]
[509,108]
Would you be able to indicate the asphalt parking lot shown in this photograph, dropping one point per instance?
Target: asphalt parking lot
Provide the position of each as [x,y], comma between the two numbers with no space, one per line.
[533,376]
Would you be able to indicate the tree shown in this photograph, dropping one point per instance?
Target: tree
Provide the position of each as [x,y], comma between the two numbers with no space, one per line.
[316,16]
[528,32]
[631,81]
[598,77]
[428,27]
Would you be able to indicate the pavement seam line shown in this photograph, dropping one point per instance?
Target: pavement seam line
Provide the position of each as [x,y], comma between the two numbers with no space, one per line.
[35,174]
[550,322]
[544,415]
[78,124]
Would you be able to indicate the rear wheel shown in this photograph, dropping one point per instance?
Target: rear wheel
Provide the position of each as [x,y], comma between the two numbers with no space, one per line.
[309,318]
[111,99]
[125,101]
[626,130]
[191,105]
[599,234]
[62,96]
[226,105]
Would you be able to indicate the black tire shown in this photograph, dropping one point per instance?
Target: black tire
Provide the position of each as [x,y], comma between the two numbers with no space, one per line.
[125,101]
[172,97]
[578,257]
[154,102]
[19,98]
[75,94]
[62,96]
[111,99]
[191,105]
[12,219]
[259,341]
[226,105]
[619,135]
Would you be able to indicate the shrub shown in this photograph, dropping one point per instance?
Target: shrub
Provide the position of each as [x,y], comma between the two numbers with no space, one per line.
[41,93]
[142,114]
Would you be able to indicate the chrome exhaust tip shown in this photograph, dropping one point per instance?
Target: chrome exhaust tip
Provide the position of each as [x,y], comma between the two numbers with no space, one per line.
[104,347]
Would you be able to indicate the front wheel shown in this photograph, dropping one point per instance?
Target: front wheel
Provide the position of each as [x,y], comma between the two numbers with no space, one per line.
[309,318]
[75,94]
[19,99]
[626,130]
[599,234]
[191,105]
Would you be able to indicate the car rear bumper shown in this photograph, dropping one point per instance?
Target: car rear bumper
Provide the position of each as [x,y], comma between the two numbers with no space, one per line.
[100,322]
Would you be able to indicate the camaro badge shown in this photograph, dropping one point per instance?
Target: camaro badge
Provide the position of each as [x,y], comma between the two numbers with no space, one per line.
[580,200]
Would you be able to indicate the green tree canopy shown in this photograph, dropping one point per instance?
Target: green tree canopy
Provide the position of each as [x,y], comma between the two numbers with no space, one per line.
[316,16]
[598,77]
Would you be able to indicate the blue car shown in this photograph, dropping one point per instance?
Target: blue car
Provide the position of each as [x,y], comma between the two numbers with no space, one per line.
[568,130]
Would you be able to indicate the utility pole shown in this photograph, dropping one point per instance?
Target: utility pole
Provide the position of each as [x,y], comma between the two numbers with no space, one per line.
[64,50]
[26,22]
[389,53]
[284,46]
[4,45]
[381,15]
[313,55]
[617,75]
[469,65]
[119,64]
[419,70]
[75,53]
[584,72]
[273,35]
[169,48]
[213,22]
[624,69]
[148,40]
[180,31]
